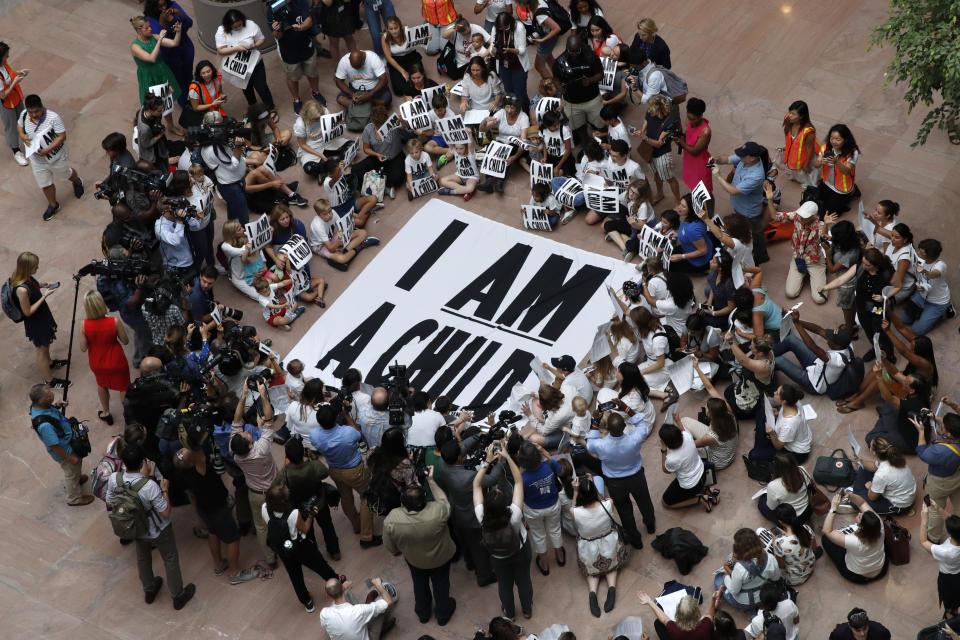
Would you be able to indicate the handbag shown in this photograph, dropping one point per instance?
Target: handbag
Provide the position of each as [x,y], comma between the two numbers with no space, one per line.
[758,469]
[819,502]
[447,60]
[645,152]
[374,184]
[831,471]
[896,542]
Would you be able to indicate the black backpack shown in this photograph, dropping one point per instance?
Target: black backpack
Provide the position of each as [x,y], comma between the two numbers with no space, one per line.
[10,303]
[850,378]
[502,542]
[383,495]
[278,532]
[557,13]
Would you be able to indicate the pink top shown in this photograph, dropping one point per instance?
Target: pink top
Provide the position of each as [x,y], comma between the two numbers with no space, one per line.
[695,164]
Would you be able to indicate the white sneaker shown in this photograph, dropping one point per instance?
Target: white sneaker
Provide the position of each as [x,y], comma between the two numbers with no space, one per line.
[20,158]
[392,192]
[568,216]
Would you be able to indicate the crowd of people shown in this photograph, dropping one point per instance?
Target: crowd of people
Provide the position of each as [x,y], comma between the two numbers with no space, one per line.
[431,482]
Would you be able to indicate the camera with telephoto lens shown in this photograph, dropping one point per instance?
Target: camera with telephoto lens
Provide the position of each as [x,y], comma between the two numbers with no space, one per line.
[219,134]
[281,13]
[180,207]
[924,417]
[311,506]
[674,133]
[127,269]
[254,379]
[398,388]
[156,126]
[227,312]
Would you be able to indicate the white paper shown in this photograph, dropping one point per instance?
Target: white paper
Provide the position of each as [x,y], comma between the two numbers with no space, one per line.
[215,315]
[768,412]
[238,67]
[786,327]
[808,412]
[418,36]
[605,201]
[877,351]
[495,160]
[415,112]
[759,493]
[681,373]
[541,371]
[609,73]
[393,122]
[736,271]
[601,344]
[475,116]
[616,302]
[631,627]
[869,229]
[546,104]
[457,89]
[535,217]
[670,602]
[568,192]
[259,232]
[423,186]
[854,445]
[297,251]
[351,153]
[452,130]
[164,92]
[700,197]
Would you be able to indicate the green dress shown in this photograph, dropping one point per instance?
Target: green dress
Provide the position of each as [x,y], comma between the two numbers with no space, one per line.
[153,73]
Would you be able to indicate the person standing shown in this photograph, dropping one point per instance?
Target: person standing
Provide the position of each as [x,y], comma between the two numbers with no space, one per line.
[579,71]
[345,620]
[376,13]
[297,55]
[622,466]
[942,457]
[418,530]
[45,136]
[151,71]
[746,192]
[439,14]
[12,96]
[169,15]
[38,322]
[101,339]
[947,555]
[55,432]
[304,479]
[155,500]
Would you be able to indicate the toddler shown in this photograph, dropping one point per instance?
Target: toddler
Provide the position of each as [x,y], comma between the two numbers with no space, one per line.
[277,311]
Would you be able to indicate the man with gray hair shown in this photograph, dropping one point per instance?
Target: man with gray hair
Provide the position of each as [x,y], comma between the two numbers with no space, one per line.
[373,418]
[346,620]
[55,432]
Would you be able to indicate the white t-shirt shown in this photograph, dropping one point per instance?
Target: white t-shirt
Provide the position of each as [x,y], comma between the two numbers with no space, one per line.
[834,367]
[349,621]
[337,192]
[938,292]
[685,462]
[786,610]
[320,232]
[550,202]
[655,344]
[742,253]
[794,432]
[618,131]
[366,77]
[622,174]
[234,259]
[294,384]
[644,407]
[50,125]
[863,559]
[580,425]
[907,253]
[298,426]
[673,316]
[516,518]
[555,141]
[244,37]
[895,484]
[505,129]
[227,168]
[423,427]
[777,494]
[495,7]
[627,351]
[267,300]
[947,556]
[419,166]
[463,45]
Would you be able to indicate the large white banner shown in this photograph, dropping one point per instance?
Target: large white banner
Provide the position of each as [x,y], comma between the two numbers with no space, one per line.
[466,303]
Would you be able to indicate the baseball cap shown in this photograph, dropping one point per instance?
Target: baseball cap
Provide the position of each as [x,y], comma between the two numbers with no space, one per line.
[748,149]
[808,210]
[839,337]
[566,363]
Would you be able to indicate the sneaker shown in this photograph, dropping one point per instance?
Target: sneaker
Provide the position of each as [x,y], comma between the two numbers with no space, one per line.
[59,383]
[284,327]
[628,256]
[339,266]
[364,544]
[568,216]
[82,501]
[378,206]
[21,159]
[297,200]
[150,596]
[266,342]
[310,607]
[316,94]
[300,311]
[951,312]
[297,105]
[184,597]
[410,196]
[78,188]
[50,212]
[58,364]
[245,575]
[371,241]
[498,186]
[202,533]
[467,196]
[392,192]
[442,161]
[219,571]
[444,191]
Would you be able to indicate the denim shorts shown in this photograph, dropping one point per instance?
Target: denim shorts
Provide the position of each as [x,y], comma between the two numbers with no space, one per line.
[546,47]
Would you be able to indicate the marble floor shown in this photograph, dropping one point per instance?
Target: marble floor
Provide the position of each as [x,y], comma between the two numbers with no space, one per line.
[62,572]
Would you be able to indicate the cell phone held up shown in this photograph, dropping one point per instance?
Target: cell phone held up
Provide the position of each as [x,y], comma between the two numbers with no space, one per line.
[603,407]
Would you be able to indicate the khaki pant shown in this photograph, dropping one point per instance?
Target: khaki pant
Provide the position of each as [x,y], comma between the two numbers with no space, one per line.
[71,476]
[349,480]
[259,524]
[818,279]
[939,489]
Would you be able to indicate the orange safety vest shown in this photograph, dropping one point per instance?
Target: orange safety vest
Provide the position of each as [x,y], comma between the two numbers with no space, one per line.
[599,43]
[217,92]
[842,182]
[524,15]
[795,153]
[15,97]
[439,12]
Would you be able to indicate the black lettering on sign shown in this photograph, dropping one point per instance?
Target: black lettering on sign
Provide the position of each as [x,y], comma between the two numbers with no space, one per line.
[429,257]
[491,287]
[555,146]
[421,330]
[497,389]
[349,349]
[440,349]
[474,369]
[456,367]
[544,295]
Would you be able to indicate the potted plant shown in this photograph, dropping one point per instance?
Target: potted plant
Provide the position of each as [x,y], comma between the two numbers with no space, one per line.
[208,16]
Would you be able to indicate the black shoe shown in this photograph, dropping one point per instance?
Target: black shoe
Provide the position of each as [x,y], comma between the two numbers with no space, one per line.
[611,600]
[482,582]
[78,188]
[324,53]
[594,605]
[245,528]
[498,186]
[651,526]
[339,266]
[637,544]
[59,383]
[453,608]
[375,542]
[58,364]
[50,212]
[150,596]
[184,597]
[297,200]
[486,187]
[951,312]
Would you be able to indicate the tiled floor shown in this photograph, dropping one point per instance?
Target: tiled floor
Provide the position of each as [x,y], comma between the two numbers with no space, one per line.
[62,574]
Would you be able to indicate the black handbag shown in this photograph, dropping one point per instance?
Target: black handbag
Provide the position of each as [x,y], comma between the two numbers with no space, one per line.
[831,471]
[758,469]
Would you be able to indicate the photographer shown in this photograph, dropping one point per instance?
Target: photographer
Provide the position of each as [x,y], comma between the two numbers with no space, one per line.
[56,433]
[943,467]
[243,360]
[256,461]
[304,479]
[197,189]
[229,172]
[292,28]
[161,309]
[147,398]
[201,301]
[142,189]
[126,296]
[115,145]
[151,133]
[579,71]
[171,230]
[373,418]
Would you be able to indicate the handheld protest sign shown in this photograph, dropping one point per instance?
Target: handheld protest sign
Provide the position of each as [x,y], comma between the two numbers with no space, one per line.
[546,104]
[535,217]
[351,153]
[338,192]
[238,67]
[164,92]
[568,192]
[298,251]
[495,160]
[428,92]
[393,122]
[415,112]
[606,201]
[609,74]
[259,232]
[700,197]
[453,131]
[346,226]
[540,172]
[418,36]
[299,281]
[423,186]
[332,126]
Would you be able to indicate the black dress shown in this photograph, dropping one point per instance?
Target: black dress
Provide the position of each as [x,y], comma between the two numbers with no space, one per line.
[41,328]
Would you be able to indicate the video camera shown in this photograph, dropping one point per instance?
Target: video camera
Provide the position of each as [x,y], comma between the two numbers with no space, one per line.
[280,9]
[123,178]
[127,269]
[221,134]
[166,292]
[181,207]
[193,427]
[398,388]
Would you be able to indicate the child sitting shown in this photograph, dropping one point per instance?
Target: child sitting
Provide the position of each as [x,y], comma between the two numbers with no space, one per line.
[281,271]
[582,420]
[295,379]
[277,311]
[341,196]
[433,143]
[326,238]
[417,164]
[478,47]
[464,181]
[542,196]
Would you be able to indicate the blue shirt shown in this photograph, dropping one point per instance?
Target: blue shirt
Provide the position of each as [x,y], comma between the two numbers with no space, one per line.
[690,232]
[174,246]
[749,181]
[117,294]
[51,435]
[200,300]
[185,49]
[540,486]
[338,445]
[941,461]
[620,456]
[295,46]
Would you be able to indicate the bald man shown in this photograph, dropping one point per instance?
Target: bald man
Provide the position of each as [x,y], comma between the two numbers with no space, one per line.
[361,77]
[373,418]
[344,620]
[147,398]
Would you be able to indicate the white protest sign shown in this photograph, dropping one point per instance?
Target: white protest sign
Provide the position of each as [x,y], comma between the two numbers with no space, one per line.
[541,371]
[291,297]
[238,67]
[768,411]
[606,201]
[423,186]
[786,326]
[393,122]
[338,192]
[452,130]
[877,351]
[457,89]
[681,373]
[700,197]
[345,226]
[299,281]
[519,142]
[259,232]
[475,116]
[427,94]
[866,225]
[466,166]
[601,344]
[652,243]
[609,73]
[546,104]
[332,126]
[164,92]
[535,217]
[417,36]
[298,252]
[616,302]
[351,153]
[415,113]
[495,160]
[854,445]
[568,192]
[540,172]
[216,315]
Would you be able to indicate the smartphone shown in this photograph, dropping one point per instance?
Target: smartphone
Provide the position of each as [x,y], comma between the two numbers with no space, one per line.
[54,285]
[926,500]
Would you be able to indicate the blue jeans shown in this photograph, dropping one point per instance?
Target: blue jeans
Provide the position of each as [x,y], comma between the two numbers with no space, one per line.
[930,314]
[555,184]
[515,82]
[374,23]
[233,194]
[201,246]
[806,357]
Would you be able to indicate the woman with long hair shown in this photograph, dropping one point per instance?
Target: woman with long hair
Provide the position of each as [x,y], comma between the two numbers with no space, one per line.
[509,49]
[746,570]
[647,40]
[205,94]
[101,338]
[656,348]
[384,153]
[886,483]
[581,12]
[756,304]
[837,162]
[601,37]
[550,411]
[677,305]
[871,276]
[600,551]
[623,340]
[679,456]
[604,373]
[720,288]
[482,89]
[844,253]
[756,377]
[38,322]
[392,458]
[800,147]
[546,33]
[788,485]
[794,547]
[301,413]
[236,33]
[695,243]
[720,437]
[504,536]
[735,236]
[790,432]
[151,70]
[169,15]
[308,132]
[903,257]
[11,94]
[859,556]
[245,264]
[634,392]
[398,54]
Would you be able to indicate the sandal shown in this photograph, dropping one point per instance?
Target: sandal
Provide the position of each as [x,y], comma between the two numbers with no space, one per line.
[671,398]
[274,116]
[219,571]
[705,501]
[543,571]
[105,417]
[847,409]
[713,495]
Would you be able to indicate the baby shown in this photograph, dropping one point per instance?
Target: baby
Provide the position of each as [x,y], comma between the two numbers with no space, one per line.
[582,419]
[295,379]
[478,47]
